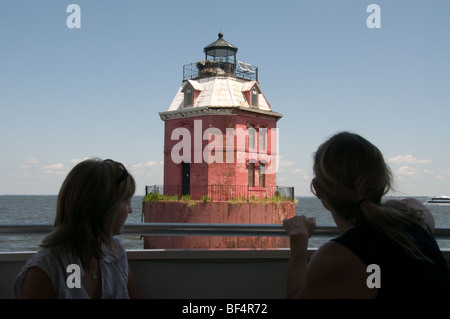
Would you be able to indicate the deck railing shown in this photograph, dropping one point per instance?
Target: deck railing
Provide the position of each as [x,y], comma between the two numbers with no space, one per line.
[223,192]
[196,229]
[189,274]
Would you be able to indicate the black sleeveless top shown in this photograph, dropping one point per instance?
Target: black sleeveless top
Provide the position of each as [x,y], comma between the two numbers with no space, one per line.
[401,275]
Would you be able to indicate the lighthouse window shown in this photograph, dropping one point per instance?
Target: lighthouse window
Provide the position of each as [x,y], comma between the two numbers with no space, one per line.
[262,176]
[251,174]
[188,97]
[255,97]
[262,138]
[251,136]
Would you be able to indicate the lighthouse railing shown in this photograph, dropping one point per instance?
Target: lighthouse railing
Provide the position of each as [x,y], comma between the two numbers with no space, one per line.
[214,192]
[191,71]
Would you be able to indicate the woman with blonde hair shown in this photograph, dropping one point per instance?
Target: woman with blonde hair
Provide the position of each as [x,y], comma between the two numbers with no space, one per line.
[394,236]
[93,204]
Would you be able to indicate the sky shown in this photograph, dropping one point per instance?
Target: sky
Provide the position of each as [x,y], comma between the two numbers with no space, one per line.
[67,94]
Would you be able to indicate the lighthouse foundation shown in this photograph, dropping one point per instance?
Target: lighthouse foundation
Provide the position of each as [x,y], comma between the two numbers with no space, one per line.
[216,213]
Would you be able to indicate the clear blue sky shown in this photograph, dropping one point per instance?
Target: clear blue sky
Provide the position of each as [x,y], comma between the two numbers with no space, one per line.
[67,94]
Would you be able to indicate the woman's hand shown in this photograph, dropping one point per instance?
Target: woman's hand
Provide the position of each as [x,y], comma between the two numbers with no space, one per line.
[300,226]
[299,229]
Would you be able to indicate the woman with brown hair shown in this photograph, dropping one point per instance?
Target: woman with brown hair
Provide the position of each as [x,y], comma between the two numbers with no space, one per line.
[351,178]
[93,204]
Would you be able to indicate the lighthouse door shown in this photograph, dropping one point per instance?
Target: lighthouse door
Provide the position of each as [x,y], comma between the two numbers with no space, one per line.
[186,179]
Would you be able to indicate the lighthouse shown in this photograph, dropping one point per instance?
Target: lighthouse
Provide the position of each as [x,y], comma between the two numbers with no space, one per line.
[220,147]
[220,131]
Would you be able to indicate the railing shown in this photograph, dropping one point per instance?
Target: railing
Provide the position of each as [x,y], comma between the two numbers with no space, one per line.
[223,192]
[189,274]
[191,71]
[196,229]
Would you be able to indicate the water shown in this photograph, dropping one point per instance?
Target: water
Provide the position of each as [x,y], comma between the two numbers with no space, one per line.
[34,209]
[18,209]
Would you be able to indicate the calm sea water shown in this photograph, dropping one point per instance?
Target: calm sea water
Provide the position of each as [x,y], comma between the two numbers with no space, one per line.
[18,209]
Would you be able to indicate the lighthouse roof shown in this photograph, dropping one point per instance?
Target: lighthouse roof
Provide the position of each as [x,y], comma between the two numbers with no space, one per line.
[220,48]
[219,92]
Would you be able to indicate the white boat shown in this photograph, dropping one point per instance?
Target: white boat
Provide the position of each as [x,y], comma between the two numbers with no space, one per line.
[439,200]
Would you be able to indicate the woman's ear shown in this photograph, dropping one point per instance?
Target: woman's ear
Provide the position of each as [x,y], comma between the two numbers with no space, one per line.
[316,188]
[319,194]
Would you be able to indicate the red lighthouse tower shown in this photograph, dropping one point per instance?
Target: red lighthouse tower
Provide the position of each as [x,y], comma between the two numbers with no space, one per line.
[220,144]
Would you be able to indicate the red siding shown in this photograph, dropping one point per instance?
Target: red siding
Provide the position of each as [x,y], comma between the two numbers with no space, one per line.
[202,173]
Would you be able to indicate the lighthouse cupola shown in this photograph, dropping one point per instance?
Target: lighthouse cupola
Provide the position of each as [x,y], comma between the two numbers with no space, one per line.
[220,58]
[221,51]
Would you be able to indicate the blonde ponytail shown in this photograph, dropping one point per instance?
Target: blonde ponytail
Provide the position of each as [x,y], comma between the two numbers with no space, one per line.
[394,218]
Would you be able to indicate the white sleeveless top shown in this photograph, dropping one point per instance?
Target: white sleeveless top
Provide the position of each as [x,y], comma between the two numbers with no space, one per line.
[54,262]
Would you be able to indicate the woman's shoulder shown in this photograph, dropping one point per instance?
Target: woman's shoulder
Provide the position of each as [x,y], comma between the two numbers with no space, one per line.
[44,256]
[116,252]
[336,270]
[333,251]
[340,257]
[50,260]
[36,283]
[39,270]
